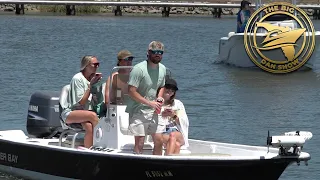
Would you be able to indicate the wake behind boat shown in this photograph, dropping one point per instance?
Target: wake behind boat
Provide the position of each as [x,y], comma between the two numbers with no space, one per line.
[53,150]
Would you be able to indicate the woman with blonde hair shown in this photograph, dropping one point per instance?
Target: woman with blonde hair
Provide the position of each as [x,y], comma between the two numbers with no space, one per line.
[79,108]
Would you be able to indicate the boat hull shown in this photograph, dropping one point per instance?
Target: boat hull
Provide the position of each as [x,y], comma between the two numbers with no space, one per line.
[41,162]
[232,52]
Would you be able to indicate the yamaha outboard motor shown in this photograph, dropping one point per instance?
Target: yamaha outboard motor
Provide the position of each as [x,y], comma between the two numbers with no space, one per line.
[43,115]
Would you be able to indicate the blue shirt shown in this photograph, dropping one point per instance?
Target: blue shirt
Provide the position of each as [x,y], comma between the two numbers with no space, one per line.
[238,21]
[246,14]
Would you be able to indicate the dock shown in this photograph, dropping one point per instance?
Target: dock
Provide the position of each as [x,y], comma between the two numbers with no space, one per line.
[70,5]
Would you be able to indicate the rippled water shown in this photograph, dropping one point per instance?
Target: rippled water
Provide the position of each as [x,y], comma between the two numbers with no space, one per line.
[224,103]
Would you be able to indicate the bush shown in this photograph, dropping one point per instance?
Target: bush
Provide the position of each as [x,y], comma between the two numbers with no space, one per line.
[62,9]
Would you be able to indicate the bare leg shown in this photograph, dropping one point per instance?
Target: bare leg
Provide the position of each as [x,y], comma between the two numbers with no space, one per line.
[88,120]
[157,139]
[138,144]
[88,137]
[177,148]
[179,141]
[165,139]
[80,116]
[171,145]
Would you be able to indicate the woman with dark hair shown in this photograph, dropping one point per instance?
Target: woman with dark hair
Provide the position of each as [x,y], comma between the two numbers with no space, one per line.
[174,116]
[239,23]
[245,14]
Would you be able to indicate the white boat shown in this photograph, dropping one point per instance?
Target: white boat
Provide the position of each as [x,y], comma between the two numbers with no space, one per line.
[51,150]
[232,48]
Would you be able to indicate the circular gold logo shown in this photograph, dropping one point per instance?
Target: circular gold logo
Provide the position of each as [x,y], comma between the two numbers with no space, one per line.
[279,46]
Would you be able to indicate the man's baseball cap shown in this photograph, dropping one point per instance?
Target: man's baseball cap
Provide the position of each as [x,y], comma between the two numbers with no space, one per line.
[156,46]
[124,54]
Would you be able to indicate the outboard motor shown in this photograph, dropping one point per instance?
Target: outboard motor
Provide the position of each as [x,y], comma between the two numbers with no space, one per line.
[43,119]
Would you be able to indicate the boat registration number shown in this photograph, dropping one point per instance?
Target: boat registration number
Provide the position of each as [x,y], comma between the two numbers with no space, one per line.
[152,174]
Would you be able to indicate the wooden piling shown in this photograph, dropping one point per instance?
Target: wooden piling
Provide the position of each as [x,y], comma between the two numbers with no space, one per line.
[117,11]
[70,10]
[216,12]
[165,11]
[19,8]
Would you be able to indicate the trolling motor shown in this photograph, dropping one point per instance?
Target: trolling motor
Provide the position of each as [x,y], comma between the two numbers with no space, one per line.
[289,144]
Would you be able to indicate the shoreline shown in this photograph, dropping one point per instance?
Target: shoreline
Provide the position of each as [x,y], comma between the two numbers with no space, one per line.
[140,10]
[132,10]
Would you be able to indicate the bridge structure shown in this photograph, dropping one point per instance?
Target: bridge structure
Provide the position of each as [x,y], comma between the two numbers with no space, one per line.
[70,5]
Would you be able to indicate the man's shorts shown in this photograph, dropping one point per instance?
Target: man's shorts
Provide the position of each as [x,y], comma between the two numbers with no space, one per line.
[145,124]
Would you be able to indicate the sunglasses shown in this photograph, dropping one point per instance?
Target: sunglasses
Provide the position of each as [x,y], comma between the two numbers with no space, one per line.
[128,59]
[95,64]
[157,52]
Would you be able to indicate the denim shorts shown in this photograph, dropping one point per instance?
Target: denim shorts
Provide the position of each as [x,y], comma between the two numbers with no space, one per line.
[170,130]
[64,114]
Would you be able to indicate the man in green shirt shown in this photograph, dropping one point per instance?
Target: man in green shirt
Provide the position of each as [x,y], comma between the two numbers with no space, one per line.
[145,79]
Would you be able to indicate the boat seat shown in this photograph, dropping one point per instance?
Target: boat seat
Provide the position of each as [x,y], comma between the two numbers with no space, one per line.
[68,129]
[148,143]
[124,123]
[183,150]
[74,128]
